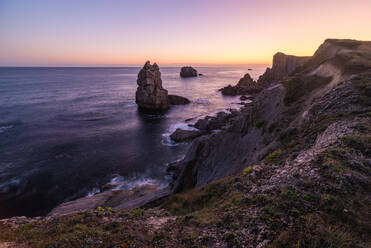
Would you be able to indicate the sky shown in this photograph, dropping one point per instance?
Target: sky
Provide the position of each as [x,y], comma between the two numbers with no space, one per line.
[172,32]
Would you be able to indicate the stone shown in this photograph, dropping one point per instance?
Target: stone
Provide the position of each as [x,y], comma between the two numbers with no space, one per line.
[181,135]
[178,100]
[150,95]
[188,71]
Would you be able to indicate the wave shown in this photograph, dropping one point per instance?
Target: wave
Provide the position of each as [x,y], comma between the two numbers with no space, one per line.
[10,184]
[93,192]
[201,101]
[4,128]
[130,104]
[119,182]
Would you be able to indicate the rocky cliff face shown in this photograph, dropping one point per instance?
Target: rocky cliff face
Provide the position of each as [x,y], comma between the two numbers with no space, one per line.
[282,66]
[150,95]
[253,134]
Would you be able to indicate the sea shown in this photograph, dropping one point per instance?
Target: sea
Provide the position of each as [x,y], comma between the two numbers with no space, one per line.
[65,132]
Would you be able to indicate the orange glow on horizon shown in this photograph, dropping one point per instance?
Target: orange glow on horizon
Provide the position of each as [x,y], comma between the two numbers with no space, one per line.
[128,33]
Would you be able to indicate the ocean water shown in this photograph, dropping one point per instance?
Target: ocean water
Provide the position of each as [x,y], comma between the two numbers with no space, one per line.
[65,132]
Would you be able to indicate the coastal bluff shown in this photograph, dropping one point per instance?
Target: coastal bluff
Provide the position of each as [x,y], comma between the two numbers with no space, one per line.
[282,66]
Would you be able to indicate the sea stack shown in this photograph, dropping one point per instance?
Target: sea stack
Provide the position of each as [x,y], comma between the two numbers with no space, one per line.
[150,95]
[188,71]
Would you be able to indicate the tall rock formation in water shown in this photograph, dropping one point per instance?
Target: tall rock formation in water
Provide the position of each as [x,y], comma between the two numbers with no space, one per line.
[150,95]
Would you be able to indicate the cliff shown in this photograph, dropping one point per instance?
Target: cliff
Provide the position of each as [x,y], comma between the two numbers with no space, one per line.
[282,66]
[291,169]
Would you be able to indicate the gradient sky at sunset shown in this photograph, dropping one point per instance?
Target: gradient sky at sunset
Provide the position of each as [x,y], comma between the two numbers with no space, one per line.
[112,32]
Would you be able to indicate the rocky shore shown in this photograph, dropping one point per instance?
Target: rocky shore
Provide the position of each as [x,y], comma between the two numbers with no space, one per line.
[290,169]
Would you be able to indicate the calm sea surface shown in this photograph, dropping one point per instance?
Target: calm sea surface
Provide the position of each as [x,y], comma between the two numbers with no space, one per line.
[64,132]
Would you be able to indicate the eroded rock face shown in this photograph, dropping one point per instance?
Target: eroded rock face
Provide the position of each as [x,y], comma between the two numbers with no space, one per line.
[282,66]
[188,71]
[150,95]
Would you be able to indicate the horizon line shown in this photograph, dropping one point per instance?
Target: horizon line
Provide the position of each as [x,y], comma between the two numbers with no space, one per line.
[131,65]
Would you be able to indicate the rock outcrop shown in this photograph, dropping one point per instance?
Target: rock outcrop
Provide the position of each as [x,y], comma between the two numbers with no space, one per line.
[282,66]
[181,135]
[188,71]
[178,100]
[150,95]
[246,85]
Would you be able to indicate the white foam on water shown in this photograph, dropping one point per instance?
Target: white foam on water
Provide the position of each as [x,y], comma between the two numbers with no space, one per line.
[4,128]
[201,101]
[120,182]
[93,192]
[167,141]
[6,186]
[130,104]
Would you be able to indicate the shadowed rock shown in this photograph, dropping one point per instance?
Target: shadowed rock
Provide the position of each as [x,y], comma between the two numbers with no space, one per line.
[188,71]
[246,85]
[178,100]
[181,135]
[150,95]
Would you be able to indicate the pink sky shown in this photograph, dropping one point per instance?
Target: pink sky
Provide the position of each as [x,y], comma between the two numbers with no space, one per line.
[105,33]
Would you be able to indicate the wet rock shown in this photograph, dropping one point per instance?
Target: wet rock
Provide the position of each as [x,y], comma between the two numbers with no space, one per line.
[150,95]
[244,98]
[178,100]
[188,71]
[181,135]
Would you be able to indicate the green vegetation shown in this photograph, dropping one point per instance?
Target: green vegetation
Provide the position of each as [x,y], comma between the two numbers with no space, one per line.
[299,86]
[247,170]
[260,123]
[272,127]
[274,157]
[198,198]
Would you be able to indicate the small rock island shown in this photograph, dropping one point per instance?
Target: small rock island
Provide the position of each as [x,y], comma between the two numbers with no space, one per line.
[150,95]
[188,71]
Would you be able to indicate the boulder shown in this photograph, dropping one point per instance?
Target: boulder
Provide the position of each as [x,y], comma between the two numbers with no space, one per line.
[178,100]
[188,71]
[211,123]
[181,135]
[150,95]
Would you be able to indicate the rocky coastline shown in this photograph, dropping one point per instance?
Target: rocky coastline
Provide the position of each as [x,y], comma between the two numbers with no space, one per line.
[291,167]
